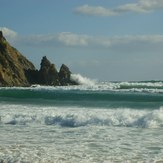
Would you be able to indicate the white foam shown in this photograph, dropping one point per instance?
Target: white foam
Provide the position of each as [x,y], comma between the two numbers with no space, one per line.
[76,117]
[93,85]
[32,133]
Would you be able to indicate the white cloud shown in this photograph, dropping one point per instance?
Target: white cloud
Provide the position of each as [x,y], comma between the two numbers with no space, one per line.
[130,40]
[68,39]
[71,39]
[8,33]
[119,44]
[98,10]
[141,6]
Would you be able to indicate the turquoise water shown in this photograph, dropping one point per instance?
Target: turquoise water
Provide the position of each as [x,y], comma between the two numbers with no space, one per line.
[92,122]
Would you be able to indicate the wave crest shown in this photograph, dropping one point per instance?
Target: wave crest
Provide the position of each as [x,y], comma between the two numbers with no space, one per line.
[78,117]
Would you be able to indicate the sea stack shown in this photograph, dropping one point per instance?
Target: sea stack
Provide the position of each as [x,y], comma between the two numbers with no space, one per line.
[65,76]
[48,74]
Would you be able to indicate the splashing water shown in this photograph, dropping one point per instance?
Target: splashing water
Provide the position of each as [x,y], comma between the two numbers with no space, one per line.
[82,80]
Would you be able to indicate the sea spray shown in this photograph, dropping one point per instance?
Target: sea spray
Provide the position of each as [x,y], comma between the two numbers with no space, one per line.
[82,80]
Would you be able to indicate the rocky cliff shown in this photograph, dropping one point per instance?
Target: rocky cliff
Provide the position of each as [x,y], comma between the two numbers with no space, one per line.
[12,65]
[16,70]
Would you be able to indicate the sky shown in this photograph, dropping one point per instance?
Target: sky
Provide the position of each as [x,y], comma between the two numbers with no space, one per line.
[106,40]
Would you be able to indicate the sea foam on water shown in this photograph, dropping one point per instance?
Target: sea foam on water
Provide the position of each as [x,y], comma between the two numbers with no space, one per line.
[91,122]
[78,116]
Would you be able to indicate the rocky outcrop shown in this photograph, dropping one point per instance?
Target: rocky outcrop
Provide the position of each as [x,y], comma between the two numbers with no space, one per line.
[48,74]
[65,76]
[13,65]
[16,70]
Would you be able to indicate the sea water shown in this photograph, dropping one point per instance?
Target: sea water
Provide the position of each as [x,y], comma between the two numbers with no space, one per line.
[95,122]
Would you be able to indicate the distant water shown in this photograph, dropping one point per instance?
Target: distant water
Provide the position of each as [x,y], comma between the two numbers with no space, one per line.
[99,122]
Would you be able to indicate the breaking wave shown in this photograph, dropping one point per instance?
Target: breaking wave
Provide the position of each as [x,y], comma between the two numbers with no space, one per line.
[77,117]
[82,80]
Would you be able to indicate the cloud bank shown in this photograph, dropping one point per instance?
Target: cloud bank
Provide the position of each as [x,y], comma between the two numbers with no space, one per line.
[68,39]
[141,6]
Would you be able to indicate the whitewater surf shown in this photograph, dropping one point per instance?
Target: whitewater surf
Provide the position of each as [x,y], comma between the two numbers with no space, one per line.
[92,122]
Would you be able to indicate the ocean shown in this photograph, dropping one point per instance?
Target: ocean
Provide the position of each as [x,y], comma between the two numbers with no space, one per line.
[94,122]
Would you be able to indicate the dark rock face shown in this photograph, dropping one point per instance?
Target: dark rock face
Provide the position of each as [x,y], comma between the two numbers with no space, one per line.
[64,76]
[1,34]
[16,70]
[48,74]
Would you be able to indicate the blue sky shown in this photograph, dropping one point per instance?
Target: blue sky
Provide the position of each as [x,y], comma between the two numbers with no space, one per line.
[106,40]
